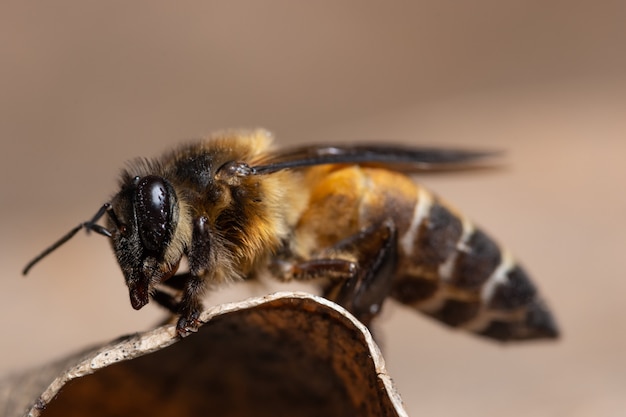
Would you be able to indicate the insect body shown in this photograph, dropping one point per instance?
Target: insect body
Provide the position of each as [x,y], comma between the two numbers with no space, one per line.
[349,216]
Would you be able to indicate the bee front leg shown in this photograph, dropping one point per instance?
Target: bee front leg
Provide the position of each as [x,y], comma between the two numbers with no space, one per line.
[191,284]
[190,306]
[202,259]
[360,267]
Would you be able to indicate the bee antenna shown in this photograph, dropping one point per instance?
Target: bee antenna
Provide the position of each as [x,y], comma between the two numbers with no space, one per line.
[88,225]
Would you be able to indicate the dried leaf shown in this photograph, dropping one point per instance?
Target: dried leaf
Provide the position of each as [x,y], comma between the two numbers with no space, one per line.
[285,354]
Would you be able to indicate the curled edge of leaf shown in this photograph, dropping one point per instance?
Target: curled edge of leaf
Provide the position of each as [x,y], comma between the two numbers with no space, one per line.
[305,349]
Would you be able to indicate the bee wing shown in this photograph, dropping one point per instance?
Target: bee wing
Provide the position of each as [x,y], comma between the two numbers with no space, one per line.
[396,157]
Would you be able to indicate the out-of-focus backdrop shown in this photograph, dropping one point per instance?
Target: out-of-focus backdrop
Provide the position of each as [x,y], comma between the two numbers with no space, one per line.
[86,86]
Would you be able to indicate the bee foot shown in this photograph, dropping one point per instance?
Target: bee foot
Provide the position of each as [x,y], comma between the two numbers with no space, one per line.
[188,324]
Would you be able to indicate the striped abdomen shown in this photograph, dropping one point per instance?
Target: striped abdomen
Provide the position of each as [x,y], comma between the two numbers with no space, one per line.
[446,267]
[457,274]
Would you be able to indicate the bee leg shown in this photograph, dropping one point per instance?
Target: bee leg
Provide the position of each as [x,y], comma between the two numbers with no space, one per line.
[177,282]
[192,283]
[166,300]
[361,268]
[335,269]
[190,306]
[375,250]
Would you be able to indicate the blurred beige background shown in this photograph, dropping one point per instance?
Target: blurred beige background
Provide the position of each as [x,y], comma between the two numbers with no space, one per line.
[85,86]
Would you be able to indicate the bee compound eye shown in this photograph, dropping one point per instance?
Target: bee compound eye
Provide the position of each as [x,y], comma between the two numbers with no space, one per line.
[153,207]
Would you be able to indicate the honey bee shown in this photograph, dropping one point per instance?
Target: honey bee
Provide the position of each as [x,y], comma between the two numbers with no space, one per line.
[352,217]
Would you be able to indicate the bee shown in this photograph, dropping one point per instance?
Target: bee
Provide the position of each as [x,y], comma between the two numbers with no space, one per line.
[351,217]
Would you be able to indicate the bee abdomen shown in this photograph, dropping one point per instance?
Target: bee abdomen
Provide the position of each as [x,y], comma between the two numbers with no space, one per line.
[457,274]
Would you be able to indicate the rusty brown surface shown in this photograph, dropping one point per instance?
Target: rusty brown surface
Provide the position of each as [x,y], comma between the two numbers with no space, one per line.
[290,354]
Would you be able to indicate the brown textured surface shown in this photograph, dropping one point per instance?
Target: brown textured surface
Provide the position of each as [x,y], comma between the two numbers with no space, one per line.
[282,355]
[86,86]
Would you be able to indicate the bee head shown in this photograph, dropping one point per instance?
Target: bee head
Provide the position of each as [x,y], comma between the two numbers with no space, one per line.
[142,221]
